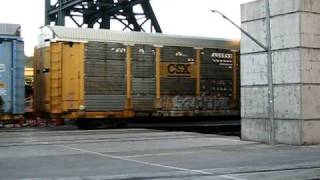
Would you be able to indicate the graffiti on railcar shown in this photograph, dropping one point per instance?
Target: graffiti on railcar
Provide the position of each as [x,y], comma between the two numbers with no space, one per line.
[188,103]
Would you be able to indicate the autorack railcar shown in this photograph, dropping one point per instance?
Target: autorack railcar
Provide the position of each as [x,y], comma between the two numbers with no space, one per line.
[110,76]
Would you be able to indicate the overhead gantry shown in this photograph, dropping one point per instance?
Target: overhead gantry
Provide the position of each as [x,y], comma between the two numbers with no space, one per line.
[134,15]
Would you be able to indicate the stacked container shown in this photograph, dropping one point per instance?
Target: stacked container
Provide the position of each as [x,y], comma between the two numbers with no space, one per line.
[12,62]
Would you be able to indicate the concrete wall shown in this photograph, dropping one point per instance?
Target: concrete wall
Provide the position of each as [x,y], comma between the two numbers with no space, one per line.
[295,34]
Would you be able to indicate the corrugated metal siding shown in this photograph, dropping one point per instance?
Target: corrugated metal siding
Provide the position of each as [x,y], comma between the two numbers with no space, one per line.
[143,61]
[143,102]
[86,34]
[104,76]
[143,81]
[216,87]
[216,72]
[12,77]
[104,102]
[216,78]
[177,92]
[6,76]
[177,54]
[10,29]
[18,76]
[177,85]
[143,92]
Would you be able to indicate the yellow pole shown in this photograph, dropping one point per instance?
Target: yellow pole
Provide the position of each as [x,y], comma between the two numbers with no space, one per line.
[129,78]
[35,102]
[234,77]
[56,58]
[198,72]
[81,73]
[158,85]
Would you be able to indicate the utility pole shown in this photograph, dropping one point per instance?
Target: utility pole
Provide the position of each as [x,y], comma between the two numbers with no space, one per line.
[268,49]
[270,76]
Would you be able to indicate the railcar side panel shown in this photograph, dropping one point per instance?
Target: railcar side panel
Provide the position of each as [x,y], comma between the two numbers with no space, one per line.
[105,77]
[143,78]
[12,90]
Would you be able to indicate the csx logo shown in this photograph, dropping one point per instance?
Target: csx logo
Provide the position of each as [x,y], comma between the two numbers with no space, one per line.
[179,69]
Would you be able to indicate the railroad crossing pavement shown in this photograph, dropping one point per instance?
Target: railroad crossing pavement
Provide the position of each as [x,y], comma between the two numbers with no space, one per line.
[134,154]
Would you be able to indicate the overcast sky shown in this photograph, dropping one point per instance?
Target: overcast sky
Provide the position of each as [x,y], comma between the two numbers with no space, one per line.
[183,17]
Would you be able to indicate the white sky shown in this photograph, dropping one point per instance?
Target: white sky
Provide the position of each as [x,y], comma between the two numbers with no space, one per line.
[183,17]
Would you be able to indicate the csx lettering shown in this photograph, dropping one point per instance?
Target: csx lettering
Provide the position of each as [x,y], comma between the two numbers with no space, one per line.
[179,69]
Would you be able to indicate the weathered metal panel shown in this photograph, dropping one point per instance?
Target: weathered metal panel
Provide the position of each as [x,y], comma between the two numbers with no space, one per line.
[18,78]
[143,70]
[36,80]
[56,78]
[178,90]
[216,64]
[102,103]
[216,87]
[178,86]
[143,81]
[108,68]
[143,62]
[177,71]
[104,85]
[11,76]
[45,65]
[103,50]
[143,86]
[143,92]
[143,102]
[104,76]
[216,72]
[59,77]
[178,82]
[177,54]
[72,76]
[41,80]
[6,76]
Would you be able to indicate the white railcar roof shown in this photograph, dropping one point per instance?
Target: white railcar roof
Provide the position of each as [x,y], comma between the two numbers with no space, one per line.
[59,33]
[10,29]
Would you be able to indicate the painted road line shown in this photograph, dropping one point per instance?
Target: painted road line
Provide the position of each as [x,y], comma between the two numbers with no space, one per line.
[136,161]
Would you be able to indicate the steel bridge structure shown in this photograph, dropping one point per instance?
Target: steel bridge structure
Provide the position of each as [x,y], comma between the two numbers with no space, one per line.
[134,15]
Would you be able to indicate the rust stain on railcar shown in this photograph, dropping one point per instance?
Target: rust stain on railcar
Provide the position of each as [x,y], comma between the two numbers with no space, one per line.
[59,83]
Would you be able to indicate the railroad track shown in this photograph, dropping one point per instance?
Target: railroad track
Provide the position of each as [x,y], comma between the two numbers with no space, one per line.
[153,131]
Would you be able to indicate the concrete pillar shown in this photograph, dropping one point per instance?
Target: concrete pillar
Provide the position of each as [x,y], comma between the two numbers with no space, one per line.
[295,34]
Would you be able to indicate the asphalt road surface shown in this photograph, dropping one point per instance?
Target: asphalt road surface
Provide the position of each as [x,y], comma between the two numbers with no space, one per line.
[134,154]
